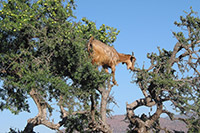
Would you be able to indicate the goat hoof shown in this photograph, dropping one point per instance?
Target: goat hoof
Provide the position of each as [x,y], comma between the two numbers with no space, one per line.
[115,83]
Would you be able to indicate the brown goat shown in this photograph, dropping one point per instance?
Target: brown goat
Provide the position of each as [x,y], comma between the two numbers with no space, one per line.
[107,57]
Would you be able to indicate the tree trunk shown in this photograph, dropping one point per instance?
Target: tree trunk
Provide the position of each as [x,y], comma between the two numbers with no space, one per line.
[102,122]
[103,107]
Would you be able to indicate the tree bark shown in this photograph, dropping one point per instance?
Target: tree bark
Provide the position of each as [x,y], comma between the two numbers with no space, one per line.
[41,116]
[103,106]
[101,124]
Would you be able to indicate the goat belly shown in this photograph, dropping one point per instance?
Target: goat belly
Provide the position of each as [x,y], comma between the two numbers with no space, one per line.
[100,60]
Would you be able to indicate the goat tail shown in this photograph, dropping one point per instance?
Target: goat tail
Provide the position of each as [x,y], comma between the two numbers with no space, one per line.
[89,46]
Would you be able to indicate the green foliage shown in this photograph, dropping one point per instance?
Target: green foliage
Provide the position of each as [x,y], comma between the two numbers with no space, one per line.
[159,76]
[194,124]
[42,46]
[77,123]
[105,33]
[192,22]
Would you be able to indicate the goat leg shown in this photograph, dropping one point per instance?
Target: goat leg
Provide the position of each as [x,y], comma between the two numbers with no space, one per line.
[113,78]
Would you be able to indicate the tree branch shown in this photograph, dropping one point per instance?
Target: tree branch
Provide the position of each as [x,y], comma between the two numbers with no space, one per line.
[41,116]
[176,49]
[156,115]
[141,102]
[171,116]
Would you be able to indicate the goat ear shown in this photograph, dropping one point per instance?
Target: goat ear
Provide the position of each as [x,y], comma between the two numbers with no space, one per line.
[89,42]
[90,45]
[132,57]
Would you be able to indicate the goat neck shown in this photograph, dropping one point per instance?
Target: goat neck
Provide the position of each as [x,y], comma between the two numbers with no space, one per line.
[124,58]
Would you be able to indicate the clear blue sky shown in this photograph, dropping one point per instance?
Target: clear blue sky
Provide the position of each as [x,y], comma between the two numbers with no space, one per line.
[144,25]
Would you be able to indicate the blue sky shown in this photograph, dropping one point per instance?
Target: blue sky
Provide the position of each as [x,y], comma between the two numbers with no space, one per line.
[144,25]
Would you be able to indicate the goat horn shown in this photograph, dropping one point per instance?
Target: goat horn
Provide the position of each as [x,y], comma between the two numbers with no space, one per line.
[91,38]
[132,53]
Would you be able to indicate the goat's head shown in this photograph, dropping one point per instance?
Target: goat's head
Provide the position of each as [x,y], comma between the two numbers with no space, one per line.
[131,63]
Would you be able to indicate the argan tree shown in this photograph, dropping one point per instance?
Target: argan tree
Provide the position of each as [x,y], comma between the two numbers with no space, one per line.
[172,76]
[43,56]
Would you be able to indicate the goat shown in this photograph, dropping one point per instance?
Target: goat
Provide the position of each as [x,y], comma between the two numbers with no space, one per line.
[107,57]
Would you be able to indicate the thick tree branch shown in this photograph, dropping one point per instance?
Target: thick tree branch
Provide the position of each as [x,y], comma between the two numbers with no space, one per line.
[42,114]
[156,115]
[143,89]
[176,49]
[41,117]
[141,102]
[100,125]
[93,109]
